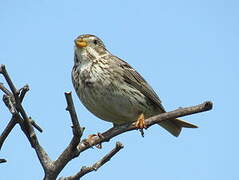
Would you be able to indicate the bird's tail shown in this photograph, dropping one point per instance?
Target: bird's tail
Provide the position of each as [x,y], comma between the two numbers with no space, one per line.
[175,126]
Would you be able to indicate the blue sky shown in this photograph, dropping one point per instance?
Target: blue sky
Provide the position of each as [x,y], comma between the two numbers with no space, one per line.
[187,50]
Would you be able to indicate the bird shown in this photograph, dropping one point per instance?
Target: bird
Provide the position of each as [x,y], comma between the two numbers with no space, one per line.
[113,90]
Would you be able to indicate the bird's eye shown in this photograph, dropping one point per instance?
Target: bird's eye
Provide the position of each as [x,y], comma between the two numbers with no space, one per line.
[95,42]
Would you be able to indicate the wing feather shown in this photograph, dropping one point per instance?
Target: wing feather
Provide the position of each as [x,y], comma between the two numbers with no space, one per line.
[132,77]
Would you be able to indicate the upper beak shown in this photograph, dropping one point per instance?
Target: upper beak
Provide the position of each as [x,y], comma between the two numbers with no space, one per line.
[80,43]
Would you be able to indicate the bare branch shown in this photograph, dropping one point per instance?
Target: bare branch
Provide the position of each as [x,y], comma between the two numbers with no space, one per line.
[23,92]
[5,90]
[19,107]
[7,131]
[42,155]
[13,102]
[97,165]
[71,151]
[109,134]
[10,103]
[77,130]
[3,160]
[27,124]
[8,79]
[35,125]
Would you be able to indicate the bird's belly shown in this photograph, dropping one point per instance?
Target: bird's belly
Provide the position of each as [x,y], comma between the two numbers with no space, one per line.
[113,105]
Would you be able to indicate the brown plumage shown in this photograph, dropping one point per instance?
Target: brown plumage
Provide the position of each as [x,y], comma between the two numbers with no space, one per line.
[112,90]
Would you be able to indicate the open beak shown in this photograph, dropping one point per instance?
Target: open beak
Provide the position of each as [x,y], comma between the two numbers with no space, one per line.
[80,43]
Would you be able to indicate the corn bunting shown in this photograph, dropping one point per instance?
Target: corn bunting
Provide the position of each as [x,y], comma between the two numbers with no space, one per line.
[112,90]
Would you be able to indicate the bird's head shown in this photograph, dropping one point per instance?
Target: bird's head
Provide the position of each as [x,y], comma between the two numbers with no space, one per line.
[89,47]
[88,40]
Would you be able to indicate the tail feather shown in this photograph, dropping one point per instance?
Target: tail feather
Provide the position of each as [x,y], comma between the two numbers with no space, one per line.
[175,126]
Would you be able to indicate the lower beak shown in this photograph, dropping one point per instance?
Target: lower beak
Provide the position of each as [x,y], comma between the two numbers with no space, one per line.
[80,43]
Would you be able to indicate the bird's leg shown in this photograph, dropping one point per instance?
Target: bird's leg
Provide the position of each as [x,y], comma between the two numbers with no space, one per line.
[140,123]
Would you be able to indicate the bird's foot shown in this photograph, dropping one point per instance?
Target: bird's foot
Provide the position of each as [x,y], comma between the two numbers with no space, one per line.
[92,137]
[140,124]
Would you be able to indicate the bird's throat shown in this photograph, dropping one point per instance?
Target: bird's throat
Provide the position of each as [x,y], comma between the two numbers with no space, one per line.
[94,53]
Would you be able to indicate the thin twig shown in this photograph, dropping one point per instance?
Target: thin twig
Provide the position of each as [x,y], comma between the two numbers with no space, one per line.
[97,165]
[7,131]
[77,130]
[8,79]
[3,160]
[5,90]
[35,125]
[23,92]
